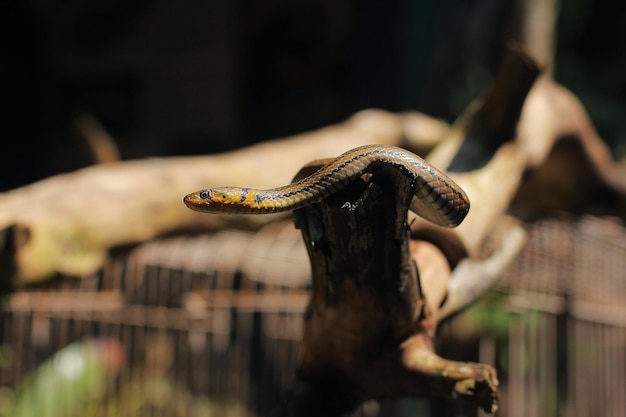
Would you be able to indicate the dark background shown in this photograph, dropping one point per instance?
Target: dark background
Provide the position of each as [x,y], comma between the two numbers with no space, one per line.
[194,77]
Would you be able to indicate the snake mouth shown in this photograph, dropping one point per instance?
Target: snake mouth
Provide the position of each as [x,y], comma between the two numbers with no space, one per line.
[191,201]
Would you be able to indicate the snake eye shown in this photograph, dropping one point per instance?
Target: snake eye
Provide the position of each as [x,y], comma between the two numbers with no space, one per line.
[204,194]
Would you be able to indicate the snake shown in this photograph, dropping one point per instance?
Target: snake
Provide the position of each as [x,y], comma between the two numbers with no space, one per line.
[436,197]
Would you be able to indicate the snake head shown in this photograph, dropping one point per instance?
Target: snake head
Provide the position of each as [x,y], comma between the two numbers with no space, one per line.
[215,200]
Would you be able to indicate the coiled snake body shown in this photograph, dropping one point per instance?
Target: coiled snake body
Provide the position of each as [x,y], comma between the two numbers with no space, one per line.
[437,198]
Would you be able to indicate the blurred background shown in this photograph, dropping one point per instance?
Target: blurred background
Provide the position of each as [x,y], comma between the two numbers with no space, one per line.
[196,77]
[199,77]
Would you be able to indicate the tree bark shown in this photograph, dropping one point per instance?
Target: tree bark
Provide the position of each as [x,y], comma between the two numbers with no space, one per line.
[368,331]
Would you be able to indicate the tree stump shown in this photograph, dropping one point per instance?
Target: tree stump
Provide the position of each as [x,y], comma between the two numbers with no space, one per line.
[368,333]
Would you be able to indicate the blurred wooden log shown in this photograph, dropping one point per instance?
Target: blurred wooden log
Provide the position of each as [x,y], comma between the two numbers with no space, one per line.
[510,147]
[539,29]
[569,168]
[101,144]
[65,301]
[66,224]
[530,160]
[482,156]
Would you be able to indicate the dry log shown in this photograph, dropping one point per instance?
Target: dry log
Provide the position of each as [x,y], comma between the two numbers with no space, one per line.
[101,144]
[368,331]
[550,160]
[569,168]
[66,224]
[529,156]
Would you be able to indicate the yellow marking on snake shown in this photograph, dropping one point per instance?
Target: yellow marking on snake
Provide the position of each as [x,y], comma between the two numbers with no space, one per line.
[437,198]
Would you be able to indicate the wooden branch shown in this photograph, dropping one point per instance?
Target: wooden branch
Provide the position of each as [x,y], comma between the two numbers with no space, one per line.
[66,224]
[539,30]
[531,160]
[65,301]
[368,332]
[482,155]
[101,145]
[569,168]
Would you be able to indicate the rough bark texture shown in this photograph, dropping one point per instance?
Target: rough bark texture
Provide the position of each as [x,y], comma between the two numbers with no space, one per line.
[368,330]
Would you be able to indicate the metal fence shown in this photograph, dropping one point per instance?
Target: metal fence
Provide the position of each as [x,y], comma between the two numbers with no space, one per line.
[209,325]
